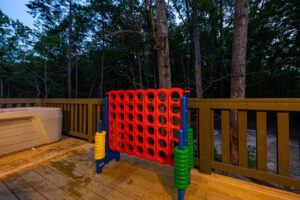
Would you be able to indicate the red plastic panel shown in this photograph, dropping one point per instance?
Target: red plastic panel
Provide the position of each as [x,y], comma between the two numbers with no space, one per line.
[145,123]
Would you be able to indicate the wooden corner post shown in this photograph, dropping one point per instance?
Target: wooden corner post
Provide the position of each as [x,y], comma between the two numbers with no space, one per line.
[90,122]
[204,138]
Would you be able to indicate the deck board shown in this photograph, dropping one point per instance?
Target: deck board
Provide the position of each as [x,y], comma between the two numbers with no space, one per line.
[6,193]
[20,161]
[22,189]
[69,173]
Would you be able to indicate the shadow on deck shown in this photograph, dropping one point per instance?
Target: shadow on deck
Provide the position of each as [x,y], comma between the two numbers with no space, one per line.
[66,170]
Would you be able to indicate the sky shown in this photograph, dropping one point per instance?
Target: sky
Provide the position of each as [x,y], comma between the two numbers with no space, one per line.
[16,9]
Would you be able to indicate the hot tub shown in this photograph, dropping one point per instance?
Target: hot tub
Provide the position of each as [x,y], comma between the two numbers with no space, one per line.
[22,128]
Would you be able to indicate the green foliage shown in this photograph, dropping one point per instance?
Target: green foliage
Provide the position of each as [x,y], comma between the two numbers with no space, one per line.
[272,49]
[251,156]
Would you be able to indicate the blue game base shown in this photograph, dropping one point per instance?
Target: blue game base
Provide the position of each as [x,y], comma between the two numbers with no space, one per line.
[108,157]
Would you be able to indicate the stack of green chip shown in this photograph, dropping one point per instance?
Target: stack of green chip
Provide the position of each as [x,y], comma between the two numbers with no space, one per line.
[181,168]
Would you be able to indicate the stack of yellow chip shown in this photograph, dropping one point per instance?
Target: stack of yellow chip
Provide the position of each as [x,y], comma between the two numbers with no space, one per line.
[100,145]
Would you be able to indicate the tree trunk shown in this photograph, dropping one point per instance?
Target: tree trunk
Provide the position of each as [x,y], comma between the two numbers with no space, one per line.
[70,51]
[76,76]
[197,61]
[164,68]
[238,69]
[102,71]
[132,72]
[222,71]
[140,70]
[154,74]
[1,85]
[45,80]
[45,74]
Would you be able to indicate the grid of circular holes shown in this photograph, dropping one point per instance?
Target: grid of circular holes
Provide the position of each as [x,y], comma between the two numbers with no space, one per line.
[140,149]
[162,108]
[130,136]
[162,132]
[175,109]
[150,130]
[175,133]
[162,143]
[175,121]
[140,128]
[114,143]
[150,118]
[150,96]
[130,116]
[140,117]
[162,154]
[162,119]
[140,97]
[122,106]
[130,107]
[150,141]
[162,96]
[122,135]
[114,97]
[122,116]
[114,106]
[140,138]
[150,151]
[140,107]
[175,96]
[114,115]
[150,108]
[121,145]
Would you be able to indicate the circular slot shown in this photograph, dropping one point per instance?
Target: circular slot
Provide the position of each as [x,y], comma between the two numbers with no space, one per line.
[140,129]
[162,132]
[150,130]
[162,154]
[175,121]
[150,96]
[140,138]
[150,151]
[162,108]
[175,96]
[162,119]
[150,141]
[162,96]
[162,143]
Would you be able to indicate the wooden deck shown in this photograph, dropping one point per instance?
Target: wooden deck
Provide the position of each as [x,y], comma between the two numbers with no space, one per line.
[66,170]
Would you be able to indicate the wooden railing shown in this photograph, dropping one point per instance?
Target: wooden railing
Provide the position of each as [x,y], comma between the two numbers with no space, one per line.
[81,116]
[282,107]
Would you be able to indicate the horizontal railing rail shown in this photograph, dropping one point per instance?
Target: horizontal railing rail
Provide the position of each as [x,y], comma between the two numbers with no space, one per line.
[81,116]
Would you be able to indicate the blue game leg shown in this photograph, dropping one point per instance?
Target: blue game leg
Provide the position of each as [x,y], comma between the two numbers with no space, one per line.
[99,165]
[117,155]
[181,194]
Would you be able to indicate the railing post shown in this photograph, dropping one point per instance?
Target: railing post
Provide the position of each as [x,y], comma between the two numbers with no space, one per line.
[90,122]
[204,138]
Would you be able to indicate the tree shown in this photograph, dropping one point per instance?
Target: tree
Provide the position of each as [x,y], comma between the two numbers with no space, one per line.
[164,68]
[197,60]
[238,69]
[70,43]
